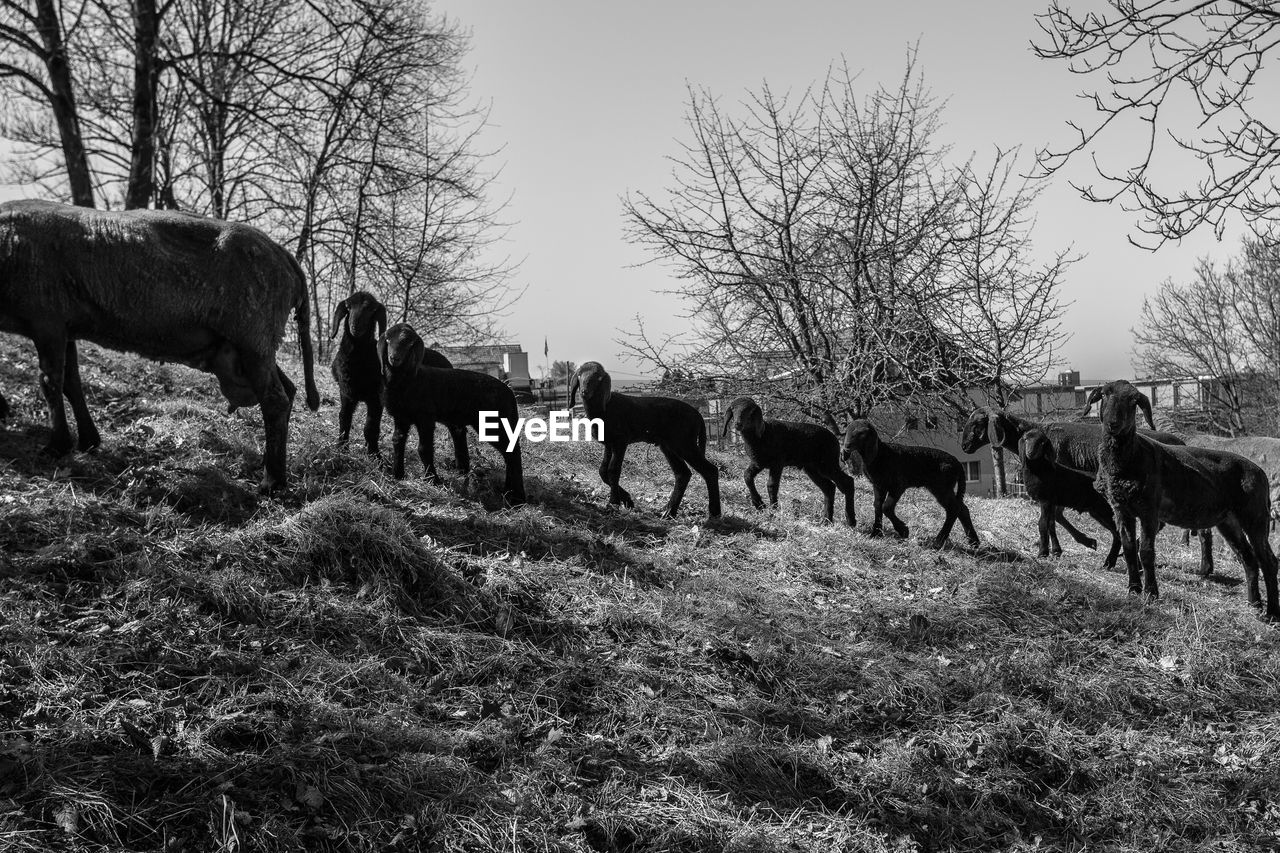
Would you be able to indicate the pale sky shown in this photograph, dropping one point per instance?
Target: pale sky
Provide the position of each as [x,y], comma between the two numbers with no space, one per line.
[588,100]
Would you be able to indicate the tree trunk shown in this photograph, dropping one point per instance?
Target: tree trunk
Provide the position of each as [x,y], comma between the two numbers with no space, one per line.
[145,81]
[997,458]
[63,103]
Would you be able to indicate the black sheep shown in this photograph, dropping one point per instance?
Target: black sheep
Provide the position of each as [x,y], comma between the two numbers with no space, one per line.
[894,468]
[1075,445]
[1150,483]
[673,425]
[362,319]
[773,445]
[418,396]
[1055,486]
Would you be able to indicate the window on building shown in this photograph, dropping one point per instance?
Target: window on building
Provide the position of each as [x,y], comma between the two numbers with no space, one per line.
[930,421]
[911,422]
[973,470]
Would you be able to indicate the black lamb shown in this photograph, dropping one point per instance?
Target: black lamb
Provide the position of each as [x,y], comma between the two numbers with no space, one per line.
[673,425]
[362,319]
[894,468]
[773,445]
[418,396]
[1055,486]
[1150,483]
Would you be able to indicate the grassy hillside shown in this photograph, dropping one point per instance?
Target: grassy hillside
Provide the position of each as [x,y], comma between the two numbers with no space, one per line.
[372,665]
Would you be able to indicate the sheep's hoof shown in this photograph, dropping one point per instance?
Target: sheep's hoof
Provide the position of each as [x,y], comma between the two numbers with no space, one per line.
[1271,617]
[875,533]
[270,486]
[55,449]
[759,505]
[89,441]
[1090,543]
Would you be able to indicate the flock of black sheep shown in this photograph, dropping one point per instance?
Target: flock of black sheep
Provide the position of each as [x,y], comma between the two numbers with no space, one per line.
[217,296]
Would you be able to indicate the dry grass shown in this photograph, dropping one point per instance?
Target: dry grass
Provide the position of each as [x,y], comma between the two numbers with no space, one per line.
[372,665]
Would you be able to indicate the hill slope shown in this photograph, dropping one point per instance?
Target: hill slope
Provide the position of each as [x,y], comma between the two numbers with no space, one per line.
[372,665]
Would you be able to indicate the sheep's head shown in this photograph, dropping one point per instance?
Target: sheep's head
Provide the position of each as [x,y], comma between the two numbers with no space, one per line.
[361,312]
[860,438]
[596,387]
[745,416]
[400,351]
[974,432]
[1118,404]
[1035,446]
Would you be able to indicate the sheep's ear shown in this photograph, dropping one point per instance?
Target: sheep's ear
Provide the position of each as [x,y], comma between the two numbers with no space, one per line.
[728,419]
[338,316]
[380,319]
[382,355]
[1145,404]
[417,353]
[574,382]
[1094,396]
[871,446]
[755,419]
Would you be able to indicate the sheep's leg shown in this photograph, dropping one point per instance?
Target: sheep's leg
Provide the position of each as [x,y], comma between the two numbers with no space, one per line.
[1206,552]
[1235,536]
[966,521]
[1055,547]
[844,483]
[890,503]
[1084,539]
[828,493]
[617,494]
[4,407]
[1150,526]
[946,500]
[346,411]
[1125,525]
[749,477]
[1108,522]
[372,426]
[87,434]
[877,505]
[710,474]
[461,453]
[1046,520]
[427,450]
[682,474]
[513,486]
[1267,563]
[264,379]
[775,480]
[399,438]
[52,351]
[604,465]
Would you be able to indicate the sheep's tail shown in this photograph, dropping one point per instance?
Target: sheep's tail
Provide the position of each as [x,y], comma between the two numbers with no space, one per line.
[960,483]
[302,314]
[702,437]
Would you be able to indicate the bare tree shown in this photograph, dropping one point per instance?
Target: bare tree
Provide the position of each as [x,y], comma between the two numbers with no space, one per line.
[35,69]
[290,114]
[1223,326]
[1150,59]
[1007,316]
[821,241]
